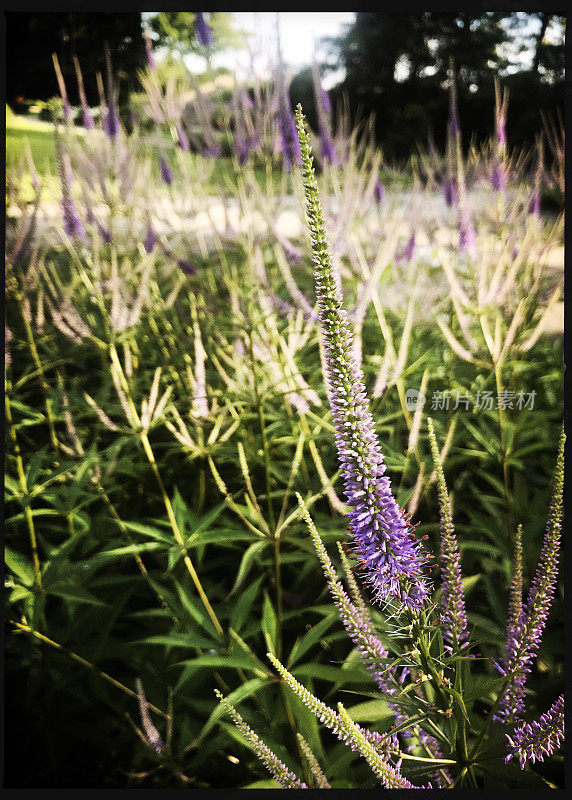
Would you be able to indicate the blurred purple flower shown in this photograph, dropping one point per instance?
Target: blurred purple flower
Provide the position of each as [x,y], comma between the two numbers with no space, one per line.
[166,172]
[202,29]
[450,191]
[150,238]
[327,147]
[378,191]
[498,178]
[182,138]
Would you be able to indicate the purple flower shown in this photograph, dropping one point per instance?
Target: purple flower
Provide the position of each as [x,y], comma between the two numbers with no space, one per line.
[378,191]
[111,122]
[450,191]
[72,223]
[104,233]
[186,266]
[166,172]
[182,138]
[288,138]
[211,151]
[539,738]
[150,239]
[534,205]
[467,236]
[382,539]
[325,100]
[202,29]
[525,630]
[498,178]
[327,146]
[409,250]
[151,63]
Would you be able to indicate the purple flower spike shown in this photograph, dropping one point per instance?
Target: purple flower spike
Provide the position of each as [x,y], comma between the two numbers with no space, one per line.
[467,236]
[378,191]
[288,138]
[182,138]
[72,223]
[385,547]
[151,63]
[111,122]
[202,29]
[104,233]
[498,178]
[186,266]
[325,100]
[409,250]
[150,239]
[450,191]
[534,205]
[525,631]
[327,147]
[540,738]
[166,172]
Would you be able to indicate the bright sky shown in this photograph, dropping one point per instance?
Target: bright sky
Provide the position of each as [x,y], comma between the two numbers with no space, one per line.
[298,30]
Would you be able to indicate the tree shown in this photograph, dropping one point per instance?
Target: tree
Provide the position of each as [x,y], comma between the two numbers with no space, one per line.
[176,31]
[33,37]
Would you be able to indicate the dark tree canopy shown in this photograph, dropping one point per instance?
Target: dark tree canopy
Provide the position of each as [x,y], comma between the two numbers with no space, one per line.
[397,64]
[31,38]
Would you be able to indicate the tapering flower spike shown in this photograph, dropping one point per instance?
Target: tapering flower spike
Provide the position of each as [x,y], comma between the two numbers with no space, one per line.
[111,123]
[390,558]
[151,63]
[277,768]
[452,600]
[524,638]
[165,169]
[202,29]
[390,778]
[385,745]
[72,223]
[62,87]
[88,121]
[533,741]
[151,733]
[323,108]
[311,760]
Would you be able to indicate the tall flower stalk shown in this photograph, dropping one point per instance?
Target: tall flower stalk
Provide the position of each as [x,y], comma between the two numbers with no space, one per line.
[453,611]
[525,630]
[386,550]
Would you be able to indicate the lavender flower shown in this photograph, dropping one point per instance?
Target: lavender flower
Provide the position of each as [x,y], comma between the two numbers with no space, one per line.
[539,738]
[385,547]
[378,191]
[450,191]
[182,139]
[72,223]
[111,121]
[452,601]
[409,250]
[166,172]
[150,238]
[277,768]
[88,121]
[498,178]
[202,29]
[288,139]
[525,630]
[327,146]
[534,205]
[151,63]
[325,101]
[62,87]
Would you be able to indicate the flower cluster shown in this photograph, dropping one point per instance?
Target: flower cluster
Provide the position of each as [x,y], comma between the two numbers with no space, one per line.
[540,738]
[525,627]
[385,545]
